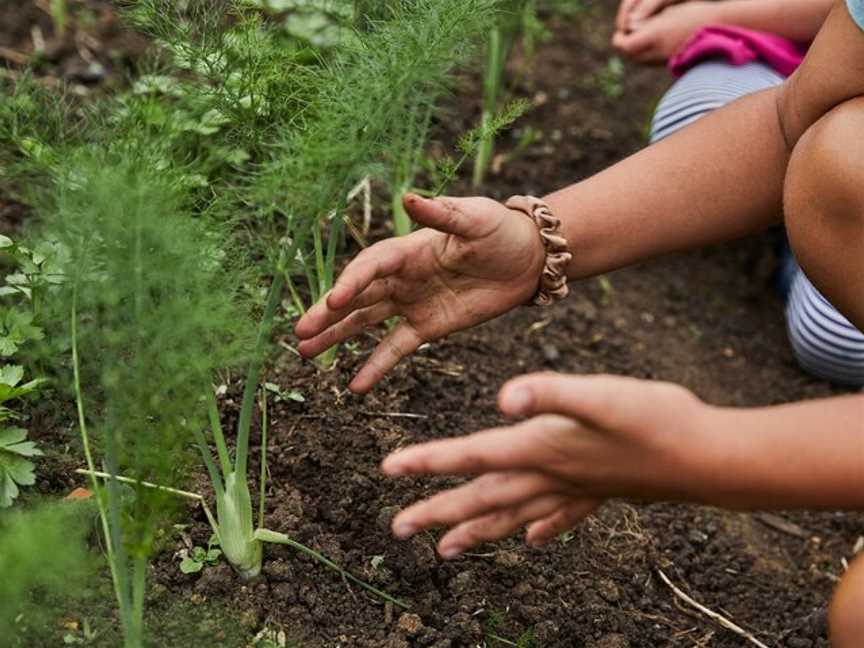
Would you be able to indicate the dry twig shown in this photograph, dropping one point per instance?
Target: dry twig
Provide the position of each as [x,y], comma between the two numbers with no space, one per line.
[711,614]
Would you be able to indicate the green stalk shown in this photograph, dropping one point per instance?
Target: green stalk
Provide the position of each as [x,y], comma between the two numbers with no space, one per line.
[250,389]
[236,528]
[116,568]
[139,583]
[495,60]
[234,506]
[131,634]
[216,429]
[402,223]
[60,15]
[265,535]
[262,478]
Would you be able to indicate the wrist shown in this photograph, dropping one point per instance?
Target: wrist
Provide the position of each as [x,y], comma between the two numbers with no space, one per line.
[552,282]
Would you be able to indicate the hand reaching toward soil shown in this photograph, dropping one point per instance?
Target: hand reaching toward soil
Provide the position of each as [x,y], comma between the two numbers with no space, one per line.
[475,260]
[656,38]
[591,438]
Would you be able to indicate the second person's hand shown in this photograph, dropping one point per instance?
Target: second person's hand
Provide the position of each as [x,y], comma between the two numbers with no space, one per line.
[474,260]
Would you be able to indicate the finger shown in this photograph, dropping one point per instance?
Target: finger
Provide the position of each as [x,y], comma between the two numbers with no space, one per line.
[376,262]
[497,525]
[543,531]
[348,327]
[449,215]
[476,498]
[624,10]
[601,400]
[634,43]
[498,449]
[400,342]
[325,317]
[644,9]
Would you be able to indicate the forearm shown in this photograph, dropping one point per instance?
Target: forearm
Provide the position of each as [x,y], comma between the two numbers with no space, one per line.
[719,179]
[798,20]
[802,455]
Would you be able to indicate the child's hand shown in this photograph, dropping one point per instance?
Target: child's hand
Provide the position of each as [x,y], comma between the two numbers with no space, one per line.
[591,438]
[475,260]
[657,38]
[630,11]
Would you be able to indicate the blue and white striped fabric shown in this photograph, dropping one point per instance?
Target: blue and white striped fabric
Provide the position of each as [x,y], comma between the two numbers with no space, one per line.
[856,10]
[706,87]
[824,342]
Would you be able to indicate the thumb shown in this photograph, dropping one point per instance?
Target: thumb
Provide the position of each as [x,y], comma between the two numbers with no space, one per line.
[633,43]
[602,400]
[442,214]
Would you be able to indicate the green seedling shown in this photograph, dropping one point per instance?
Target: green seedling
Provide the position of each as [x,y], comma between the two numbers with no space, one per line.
[281,396]
[611,79]
[198,557]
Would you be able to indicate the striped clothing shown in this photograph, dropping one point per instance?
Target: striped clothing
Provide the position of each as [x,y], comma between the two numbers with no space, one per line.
[824,342]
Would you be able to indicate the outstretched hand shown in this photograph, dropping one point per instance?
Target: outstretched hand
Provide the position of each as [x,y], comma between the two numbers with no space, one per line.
[591,438]
[474,260]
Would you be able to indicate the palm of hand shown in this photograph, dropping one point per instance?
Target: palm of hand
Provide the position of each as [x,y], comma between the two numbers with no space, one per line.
[480,260]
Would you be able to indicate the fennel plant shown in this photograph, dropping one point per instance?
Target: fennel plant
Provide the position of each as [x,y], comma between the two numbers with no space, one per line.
[150,301]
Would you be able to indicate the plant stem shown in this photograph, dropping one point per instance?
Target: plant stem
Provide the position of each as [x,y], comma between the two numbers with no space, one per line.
[139,583]
[88,455]
[265,535]
[401,221]
[244,422]
[216,428]
[262,479]
[495,59]
[165,489]
[295,296]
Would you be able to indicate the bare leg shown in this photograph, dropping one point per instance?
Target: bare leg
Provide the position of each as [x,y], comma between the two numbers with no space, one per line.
[847,609]
[824,207]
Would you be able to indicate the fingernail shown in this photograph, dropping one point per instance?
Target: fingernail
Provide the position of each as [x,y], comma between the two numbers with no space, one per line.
[394,468]
[404,530]
[448,553]
[519,399]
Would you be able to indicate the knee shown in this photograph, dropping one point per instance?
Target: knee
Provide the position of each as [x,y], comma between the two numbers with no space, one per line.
[846,614]
[825,179]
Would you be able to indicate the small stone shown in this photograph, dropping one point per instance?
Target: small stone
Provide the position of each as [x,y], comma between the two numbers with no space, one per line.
[551,352]
[728,352]
[613,640]
[278,570]
[461,582]
[508,558]
[609,591]
[410,624]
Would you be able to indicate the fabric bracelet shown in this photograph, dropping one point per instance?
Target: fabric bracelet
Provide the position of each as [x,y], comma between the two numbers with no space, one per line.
[553,280]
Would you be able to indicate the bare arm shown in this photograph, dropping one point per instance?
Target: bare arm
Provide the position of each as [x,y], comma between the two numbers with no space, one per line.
[802,455]
[720,178]
[798,20]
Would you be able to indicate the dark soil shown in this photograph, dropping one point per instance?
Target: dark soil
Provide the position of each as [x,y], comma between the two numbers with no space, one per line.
[708,320]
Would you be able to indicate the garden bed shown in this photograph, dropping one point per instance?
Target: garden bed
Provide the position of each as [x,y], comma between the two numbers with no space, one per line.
[708,320]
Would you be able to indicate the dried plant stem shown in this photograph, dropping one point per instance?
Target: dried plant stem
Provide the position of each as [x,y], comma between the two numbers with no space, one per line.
[711,614]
